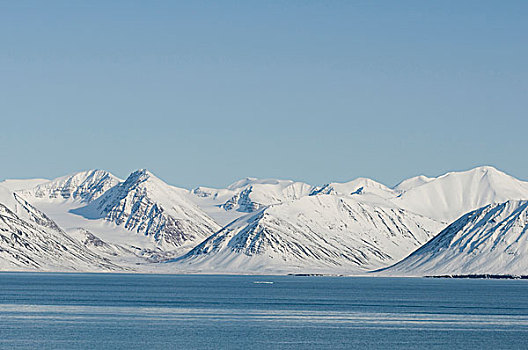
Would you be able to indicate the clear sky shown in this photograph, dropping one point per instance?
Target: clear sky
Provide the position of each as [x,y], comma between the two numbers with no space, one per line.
[205,92]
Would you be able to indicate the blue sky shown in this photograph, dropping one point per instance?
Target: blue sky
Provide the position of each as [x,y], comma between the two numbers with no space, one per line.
[203,92]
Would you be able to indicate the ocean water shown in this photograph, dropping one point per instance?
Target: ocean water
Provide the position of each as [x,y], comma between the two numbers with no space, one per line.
[128,311]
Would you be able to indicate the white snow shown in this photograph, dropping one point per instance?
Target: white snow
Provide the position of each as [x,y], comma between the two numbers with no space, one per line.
[324,232]
[251,226]
[29,240]
[148,206]
[490,240]
[84,185]
[246,196]
[22,184]
[449,196]
[413,182]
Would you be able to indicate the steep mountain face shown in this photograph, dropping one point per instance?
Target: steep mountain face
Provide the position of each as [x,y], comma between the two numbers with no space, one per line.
[320,232]
[30,240]
[449,196]
[84,186]
[489,240]
[148,206]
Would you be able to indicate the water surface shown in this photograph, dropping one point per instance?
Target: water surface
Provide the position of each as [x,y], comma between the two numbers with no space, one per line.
[129,311]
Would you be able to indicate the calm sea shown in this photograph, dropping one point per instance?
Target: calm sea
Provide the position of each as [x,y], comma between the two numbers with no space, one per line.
[128,311]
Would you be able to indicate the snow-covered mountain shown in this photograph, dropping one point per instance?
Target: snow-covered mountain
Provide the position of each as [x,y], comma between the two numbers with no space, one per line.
[84,186]
[361,189]
[323,232]
[449,196]
[247,196]
[360,185]
[411,183]
[31,240]
[444,198]
[253,225]
[148,206]
[489,240]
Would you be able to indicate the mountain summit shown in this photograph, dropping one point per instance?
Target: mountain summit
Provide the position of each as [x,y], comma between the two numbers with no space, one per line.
[449,196]
[148,206]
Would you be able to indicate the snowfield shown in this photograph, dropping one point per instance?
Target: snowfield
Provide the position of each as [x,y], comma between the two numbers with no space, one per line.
[458,223]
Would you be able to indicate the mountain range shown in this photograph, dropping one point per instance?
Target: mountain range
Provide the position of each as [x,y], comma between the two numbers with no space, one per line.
[462,222]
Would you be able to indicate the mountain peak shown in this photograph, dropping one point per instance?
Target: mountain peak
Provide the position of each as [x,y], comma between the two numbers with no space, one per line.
[147,205]
[313,231]
[252,181]
[484,170]
[141,176]
[488,240]
[419,180]
[412,182]
[358,186]
[447,197]
[85,185]
[366,182]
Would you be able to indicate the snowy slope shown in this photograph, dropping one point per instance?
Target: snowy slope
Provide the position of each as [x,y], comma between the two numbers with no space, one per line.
[358,186]
[246,196]
[443,198]
[148,206]
[133,257]
[489,240]
[96,244]
[449,196]
[84,186]
[22,184]
[361,189]
[60,196]
[313,233]
[30,240]
[411,183]
[254,225]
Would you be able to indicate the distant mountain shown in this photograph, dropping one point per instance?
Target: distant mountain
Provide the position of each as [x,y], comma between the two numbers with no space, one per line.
[489,240]
[411,183]
[449,196]
[30,240]
[148,206]
[314,232]
[443,198]
[358,186]
[247,196]
[84,186]
[253,225]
